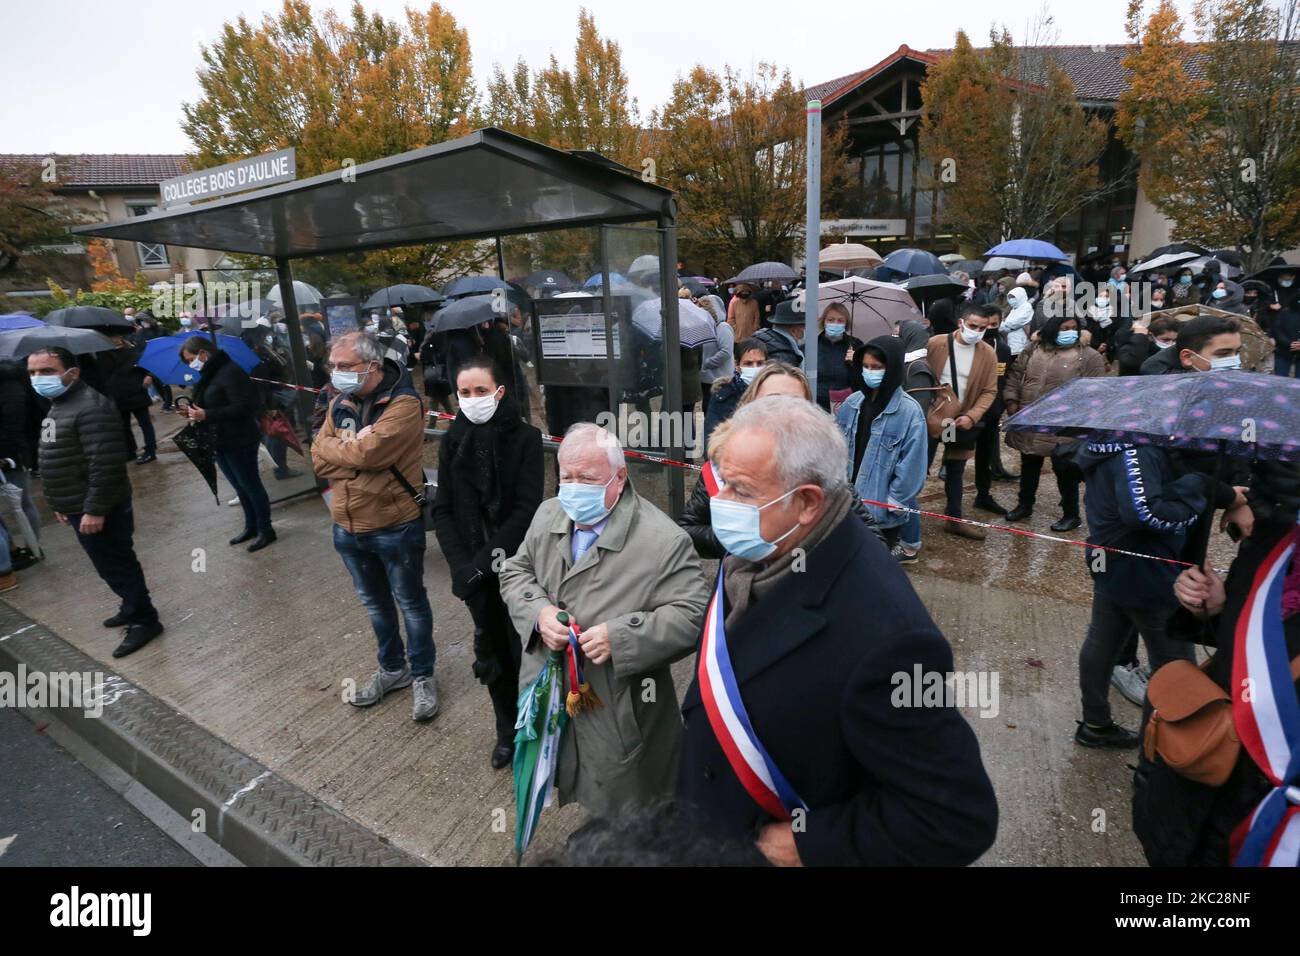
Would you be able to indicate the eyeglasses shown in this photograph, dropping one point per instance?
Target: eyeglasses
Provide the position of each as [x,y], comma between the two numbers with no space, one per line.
[345,366]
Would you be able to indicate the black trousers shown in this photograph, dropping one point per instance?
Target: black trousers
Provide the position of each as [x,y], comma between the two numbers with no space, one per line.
[1067,483]
[954,472]
[112,553]
[146,430]
[497,653]
[988,455]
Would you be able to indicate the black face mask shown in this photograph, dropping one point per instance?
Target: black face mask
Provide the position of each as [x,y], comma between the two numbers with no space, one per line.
[743,295]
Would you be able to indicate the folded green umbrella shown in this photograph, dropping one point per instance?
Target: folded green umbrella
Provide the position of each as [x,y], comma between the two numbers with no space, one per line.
[539,731]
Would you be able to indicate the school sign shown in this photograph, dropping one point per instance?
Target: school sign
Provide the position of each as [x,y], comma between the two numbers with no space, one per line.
[252,173]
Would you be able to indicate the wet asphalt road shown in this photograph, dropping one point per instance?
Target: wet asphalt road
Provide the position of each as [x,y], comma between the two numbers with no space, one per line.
[55,812]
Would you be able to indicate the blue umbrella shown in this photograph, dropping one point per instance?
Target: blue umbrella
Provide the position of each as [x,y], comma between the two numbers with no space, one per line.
[18,320]
[1198,411]
[615,278]
[161,357]
[914,262]
[1027,249]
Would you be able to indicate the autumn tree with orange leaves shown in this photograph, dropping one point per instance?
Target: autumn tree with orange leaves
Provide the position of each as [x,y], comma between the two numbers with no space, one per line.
[1216,122]
[341,93]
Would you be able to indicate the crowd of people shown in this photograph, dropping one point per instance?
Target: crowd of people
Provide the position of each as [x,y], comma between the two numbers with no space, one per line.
[789,743]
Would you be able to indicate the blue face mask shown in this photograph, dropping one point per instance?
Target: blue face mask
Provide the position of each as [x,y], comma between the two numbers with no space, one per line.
[1184,280]
[873,377]
[747,375]
[1219,293]
[48,386]
[584,504]
[835,331]
[1225,364]
[737,527]
[1067,338]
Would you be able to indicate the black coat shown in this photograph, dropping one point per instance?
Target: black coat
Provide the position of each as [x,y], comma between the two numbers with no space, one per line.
[815,660]
[778,347]
[519,477]
[722,403]
[20,414]
[122,380]
[1180,822]
[83,456]
[832,370]
[225,392]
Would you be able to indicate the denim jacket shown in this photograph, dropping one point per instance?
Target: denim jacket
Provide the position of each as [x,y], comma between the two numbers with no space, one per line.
[894,461]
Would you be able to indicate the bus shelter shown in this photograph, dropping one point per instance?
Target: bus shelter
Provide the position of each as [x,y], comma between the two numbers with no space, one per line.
[487,185]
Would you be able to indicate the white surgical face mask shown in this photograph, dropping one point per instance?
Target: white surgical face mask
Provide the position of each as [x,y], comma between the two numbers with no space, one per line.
[480,408]
[970,336]
[197,364]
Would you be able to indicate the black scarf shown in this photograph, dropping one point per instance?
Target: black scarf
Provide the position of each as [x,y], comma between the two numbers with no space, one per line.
[475,489]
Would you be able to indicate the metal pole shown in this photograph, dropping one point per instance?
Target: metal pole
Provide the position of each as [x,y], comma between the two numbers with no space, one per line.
[812,242]
[672,354]
[613,372]
[299,355]
[501,262]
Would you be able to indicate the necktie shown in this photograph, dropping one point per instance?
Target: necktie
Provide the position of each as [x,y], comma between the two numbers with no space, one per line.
[582,542]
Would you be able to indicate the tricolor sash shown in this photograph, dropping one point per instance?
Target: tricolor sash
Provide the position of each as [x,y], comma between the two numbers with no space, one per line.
[750,762]
[1267,714]
[712,483]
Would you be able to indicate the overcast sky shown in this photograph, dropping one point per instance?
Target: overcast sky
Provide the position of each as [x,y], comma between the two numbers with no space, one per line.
[109,76]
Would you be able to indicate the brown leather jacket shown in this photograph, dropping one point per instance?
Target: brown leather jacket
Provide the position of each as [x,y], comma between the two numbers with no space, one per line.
[366,495]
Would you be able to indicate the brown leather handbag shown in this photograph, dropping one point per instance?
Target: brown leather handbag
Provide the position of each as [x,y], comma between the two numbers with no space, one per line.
[1191,724]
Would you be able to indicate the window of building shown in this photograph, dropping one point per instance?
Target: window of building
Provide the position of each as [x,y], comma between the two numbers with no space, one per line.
[151,254]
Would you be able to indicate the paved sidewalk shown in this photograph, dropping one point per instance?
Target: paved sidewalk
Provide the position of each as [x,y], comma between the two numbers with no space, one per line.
[258,646]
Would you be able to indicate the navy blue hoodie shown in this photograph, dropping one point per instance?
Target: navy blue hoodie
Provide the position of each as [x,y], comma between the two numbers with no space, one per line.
[1136,501]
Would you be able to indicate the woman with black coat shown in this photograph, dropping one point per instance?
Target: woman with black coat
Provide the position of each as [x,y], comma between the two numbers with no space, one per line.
[490,484]
[225,401]
[127,385]
[835,348]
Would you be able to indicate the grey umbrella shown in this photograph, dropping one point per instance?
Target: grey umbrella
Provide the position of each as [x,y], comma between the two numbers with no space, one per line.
[403,294]
[764,272]
[88,317]
[19,343]
[465,313]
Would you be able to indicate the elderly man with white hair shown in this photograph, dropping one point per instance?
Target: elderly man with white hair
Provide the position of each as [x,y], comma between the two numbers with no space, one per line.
[797,734]
[629,582]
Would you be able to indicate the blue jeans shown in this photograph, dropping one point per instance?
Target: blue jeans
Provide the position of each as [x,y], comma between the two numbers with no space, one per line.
[6,563]
[911,534]
[388,564]
[240,468]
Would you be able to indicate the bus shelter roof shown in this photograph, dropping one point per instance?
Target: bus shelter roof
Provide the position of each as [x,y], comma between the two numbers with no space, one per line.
[489,183]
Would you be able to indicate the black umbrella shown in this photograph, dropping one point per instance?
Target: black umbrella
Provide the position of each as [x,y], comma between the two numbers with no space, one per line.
[196,441]
[1231,256]
[88,317]
[547,280]
[402,294]
[18,343]
[465,313]
[1271,273]
[929,288]
[696,287]
[914,262]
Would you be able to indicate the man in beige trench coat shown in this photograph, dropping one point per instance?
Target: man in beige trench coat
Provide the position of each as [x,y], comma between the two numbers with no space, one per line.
[630,579]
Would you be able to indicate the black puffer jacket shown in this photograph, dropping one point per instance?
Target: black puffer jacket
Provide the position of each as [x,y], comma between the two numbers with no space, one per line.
[779,348]
[83,456]
[122,379]
[697,523]
[228,397]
